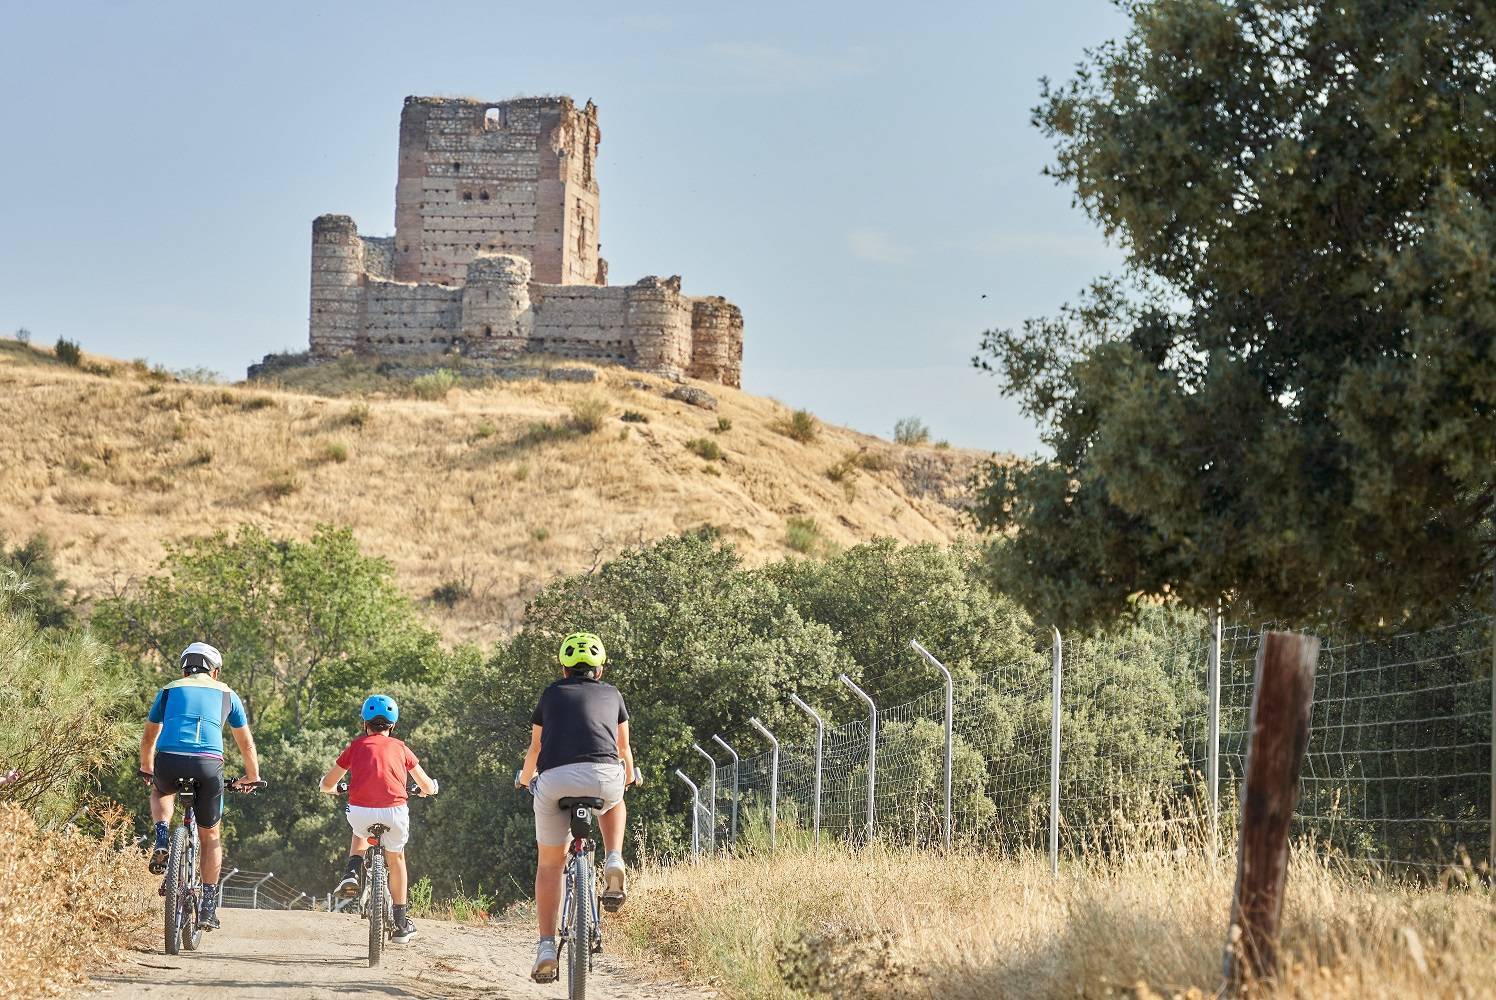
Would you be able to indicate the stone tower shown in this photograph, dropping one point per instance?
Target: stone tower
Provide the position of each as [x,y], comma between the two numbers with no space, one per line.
[337,319]
[512,177]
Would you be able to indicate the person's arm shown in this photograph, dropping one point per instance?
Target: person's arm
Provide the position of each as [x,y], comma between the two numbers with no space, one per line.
[532,756]
[148,747]
[626,752]
[246,741]
[424,781]
[331,778]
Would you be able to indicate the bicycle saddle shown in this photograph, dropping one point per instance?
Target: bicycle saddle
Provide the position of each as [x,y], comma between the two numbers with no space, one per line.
[572,801]
[378,828]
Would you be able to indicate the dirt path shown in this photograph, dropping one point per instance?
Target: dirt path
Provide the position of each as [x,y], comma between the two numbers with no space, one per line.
[270,953]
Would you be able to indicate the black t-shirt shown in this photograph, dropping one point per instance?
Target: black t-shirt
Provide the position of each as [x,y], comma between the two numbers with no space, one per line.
[579,719]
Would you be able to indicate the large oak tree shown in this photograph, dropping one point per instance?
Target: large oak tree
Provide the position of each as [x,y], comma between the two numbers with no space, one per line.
[1289,395]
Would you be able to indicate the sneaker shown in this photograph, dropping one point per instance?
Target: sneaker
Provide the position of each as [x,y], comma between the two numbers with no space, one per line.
[615,885]
[207,913]
[348,888]
[404,932]
[159,850]
[547,966]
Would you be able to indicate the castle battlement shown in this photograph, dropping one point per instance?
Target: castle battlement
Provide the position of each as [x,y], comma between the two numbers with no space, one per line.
[495,254]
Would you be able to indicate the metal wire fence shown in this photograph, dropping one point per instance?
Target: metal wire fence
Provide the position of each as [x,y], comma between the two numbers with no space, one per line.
[1397,772]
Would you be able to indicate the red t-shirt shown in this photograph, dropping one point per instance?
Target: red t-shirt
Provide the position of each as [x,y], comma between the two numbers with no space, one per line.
[377,766]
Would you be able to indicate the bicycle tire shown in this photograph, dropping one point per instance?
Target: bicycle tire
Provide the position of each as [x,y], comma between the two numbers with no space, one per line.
[172,891]
[579,946]
[378,893]
[192,931]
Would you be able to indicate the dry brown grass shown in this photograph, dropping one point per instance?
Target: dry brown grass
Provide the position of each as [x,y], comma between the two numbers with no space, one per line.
[68,903]
[110,468]
[892,923]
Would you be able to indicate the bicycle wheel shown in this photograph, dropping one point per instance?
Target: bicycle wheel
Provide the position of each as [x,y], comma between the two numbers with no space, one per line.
[173,890]
[379,891]
[579,946]
[191,892]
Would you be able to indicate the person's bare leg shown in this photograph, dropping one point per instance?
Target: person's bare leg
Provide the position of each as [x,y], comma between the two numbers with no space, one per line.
[549,863]
[613,823]
[162,806]
[358,845]
[396,864]
[212,853]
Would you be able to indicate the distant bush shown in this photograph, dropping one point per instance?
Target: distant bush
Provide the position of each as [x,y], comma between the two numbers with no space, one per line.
[485,430]
[910,431]
[258,403]
[449,593]
[724,424]
[434,385]
[588,415]
[804,535]
[540,534]
[201,455]
[705,448]
[23,336]
[521,472]
[68,352]
[544,432]
[335,451]
[800,426]
[358,416]
[880,460]
[942,445]
[634,417]
[282,485]
[198,375]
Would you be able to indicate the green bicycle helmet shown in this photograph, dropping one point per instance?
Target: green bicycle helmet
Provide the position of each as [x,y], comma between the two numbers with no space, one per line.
[582,649]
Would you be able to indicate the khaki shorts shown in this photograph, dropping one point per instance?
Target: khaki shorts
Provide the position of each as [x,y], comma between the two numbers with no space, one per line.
[552,823]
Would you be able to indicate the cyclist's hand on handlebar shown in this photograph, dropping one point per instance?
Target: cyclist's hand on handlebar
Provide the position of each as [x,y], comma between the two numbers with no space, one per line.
[247,786]
[145,776]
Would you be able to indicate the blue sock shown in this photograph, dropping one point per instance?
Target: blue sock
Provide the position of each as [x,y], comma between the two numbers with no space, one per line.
[163,833]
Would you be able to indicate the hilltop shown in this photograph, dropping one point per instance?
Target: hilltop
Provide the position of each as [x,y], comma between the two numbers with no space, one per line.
[476,497]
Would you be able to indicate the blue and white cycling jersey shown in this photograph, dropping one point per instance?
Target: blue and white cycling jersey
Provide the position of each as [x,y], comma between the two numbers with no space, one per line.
[191,713]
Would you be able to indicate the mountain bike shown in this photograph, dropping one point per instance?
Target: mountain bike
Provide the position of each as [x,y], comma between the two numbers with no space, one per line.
[374,901]
[181,889]
[581,931]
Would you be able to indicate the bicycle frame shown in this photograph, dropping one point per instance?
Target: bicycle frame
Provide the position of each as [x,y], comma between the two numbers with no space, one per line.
[581,846]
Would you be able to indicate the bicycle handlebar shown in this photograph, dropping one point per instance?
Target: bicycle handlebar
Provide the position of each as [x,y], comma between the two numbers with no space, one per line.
[342,788]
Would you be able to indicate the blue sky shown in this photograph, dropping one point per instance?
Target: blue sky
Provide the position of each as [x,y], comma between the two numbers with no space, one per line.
[855,176]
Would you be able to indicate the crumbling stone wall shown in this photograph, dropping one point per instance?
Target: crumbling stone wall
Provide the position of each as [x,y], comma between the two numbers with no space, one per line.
[495,255]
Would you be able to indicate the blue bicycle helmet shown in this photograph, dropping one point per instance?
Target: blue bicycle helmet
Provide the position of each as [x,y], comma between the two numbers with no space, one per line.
[381,706]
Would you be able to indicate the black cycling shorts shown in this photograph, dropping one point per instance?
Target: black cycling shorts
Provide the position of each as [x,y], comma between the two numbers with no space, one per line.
[207,804]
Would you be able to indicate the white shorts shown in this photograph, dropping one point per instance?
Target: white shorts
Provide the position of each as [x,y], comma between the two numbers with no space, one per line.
[552,823]
[395,818]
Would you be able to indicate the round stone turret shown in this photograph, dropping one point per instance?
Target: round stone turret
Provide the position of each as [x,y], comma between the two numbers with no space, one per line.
[337,318]
[497,320]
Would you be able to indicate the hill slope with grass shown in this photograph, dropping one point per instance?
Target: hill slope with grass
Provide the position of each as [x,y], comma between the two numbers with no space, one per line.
[477,495]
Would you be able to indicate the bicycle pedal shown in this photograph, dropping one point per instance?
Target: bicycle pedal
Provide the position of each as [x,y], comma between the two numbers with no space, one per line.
[611,903]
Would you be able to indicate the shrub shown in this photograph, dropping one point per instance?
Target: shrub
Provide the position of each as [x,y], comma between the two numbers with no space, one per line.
[434,385]
[358,416]
[803,534]
[23,336]
[282,485]
[485,430]
[544,432]
[873,461]
[588,415]
[521,472]
[724,424]
[705,448]
[258,403]
[942,445]
[449,593]
[335,451]
[540,534]
[634,417]
[201,455]
[799,426]
[68,352]
[198,375]
[910,431]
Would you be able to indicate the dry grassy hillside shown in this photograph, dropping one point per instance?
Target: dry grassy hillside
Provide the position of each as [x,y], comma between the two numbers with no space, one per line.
[496,489]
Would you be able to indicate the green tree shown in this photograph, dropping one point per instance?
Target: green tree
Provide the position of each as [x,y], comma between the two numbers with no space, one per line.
[1290,395]
[46,593]
[305,627]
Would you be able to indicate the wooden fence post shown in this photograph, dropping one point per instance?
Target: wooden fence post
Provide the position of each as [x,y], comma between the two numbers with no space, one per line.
[1282,697]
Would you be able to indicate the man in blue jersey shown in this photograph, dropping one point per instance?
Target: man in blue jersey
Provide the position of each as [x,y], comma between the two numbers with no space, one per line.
[183,738]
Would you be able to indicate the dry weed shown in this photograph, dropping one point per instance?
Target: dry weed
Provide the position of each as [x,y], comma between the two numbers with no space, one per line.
[885,922]
[68,902]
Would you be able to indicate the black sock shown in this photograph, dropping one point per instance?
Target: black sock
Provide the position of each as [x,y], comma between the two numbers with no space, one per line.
[399,914]
[354,864]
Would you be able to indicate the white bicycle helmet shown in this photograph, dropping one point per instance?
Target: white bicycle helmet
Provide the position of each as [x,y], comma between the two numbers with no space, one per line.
[200,658]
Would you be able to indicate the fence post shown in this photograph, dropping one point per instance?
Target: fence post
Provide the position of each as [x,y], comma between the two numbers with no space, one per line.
[1213,732]
[872,746]
[820,747]
[695,813]
[773,780]
[1054,757]
[733,835]
[255,903]
[950,731]
[224,878]
[1282,697]
[712,795]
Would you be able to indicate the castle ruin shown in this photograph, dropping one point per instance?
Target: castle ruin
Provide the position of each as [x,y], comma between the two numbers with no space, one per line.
[495,255]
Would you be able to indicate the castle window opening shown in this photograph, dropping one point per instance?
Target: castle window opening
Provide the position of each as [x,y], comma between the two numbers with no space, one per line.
[488,331]
[482,195]
[456,167]
[493,118]
[467,196]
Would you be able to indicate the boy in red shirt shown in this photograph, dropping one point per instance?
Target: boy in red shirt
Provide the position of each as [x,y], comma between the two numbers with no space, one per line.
[377,764]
